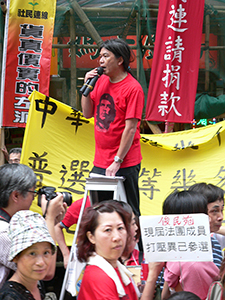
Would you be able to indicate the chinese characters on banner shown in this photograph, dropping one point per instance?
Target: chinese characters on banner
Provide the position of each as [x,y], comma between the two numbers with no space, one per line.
[176,237]
[26,58]
[88,58]
[174,76]
[59,146]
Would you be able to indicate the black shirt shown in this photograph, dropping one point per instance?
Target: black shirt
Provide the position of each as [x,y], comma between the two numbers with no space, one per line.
[12,290]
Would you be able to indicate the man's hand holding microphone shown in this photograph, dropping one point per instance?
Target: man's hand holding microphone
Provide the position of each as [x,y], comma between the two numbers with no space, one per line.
[90,82]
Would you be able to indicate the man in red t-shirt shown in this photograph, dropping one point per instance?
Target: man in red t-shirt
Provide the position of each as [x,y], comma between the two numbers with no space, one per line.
[116,103]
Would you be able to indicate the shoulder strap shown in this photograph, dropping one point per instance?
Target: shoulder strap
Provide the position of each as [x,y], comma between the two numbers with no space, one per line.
[4,216]
[215,291]
[182,282]
[140,258]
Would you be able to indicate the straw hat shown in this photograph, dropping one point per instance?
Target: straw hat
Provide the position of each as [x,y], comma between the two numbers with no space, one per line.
[25,229]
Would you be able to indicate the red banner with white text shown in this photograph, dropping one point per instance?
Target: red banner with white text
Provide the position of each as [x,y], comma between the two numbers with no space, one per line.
[26,57]
[175,66]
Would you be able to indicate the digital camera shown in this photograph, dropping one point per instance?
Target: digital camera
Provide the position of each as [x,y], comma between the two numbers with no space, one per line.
[50,193]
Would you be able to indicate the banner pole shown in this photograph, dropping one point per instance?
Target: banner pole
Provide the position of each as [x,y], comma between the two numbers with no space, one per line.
[166,126]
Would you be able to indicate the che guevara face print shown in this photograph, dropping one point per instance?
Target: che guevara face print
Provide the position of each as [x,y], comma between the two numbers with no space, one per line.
[106,113]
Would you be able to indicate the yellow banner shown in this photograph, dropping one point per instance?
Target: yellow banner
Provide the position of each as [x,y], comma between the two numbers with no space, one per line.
[27,56]
[59,146]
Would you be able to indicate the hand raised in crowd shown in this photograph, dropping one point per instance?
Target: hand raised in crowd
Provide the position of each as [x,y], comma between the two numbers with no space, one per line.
[149,288]
[5,152]
[56,208]
[53,211]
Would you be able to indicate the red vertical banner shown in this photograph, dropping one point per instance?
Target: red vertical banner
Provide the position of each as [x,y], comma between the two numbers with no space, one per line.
[26,57]
[175,65]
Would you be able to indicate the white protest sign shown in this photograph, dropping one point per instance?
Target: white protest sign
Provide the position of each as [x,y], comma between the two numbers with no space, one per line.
[184,237]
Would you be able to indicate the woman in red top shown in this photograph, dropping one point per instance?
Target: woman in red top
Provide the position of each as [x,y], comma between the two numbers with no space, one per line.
[102,238]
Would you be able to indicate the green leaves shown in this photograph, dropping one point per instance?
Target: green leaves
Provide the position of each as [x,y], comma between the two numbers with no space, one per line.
[33,4]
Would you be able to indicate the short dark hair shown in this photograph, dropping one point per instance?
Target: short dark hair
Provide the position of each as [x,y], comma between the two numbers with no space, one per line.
[210,191]
[138,232]
[89,222]
[185,202]
[15,177]
[126,207]
[120,49]
[129,209]
[15,150]
[183,295]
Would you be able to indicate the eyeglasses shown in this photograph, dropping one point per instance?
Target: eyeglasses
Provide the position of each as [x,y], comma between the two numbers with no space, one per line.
[34,192]
[14,161]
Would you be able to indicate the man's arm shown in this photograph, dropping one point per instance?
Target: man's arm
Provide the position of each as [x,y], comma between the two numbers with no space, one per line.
[125,144]
[149,288]
[5,153]
[62,243]
[166,291]
[55,211]
[87,106]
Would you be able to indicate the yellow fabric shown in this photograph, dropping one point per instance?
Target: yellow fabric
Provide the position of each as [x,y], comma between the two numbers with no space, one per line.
[59,146]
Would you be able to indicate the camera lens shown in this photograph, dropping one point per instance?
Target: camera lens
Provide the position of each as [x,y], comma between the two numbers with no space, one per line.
[50,194]
[67,197]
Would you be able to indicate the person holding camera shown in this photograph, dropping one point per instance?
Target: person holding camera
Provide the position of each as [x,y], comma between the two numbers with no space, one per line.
[17,190]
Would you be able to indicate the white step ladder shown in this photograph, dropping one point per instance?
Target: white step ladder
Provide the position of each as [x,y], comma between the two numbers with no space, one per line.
[95,183]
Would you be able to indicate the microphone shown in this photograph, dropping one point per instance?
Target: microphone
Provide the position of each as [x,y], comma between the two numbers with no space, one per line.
[90,83]
[83,88]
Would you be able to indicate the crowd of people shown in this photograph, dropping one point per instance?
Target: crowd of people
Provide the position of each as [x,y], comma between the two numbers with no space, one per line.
[107,241]
[109,235]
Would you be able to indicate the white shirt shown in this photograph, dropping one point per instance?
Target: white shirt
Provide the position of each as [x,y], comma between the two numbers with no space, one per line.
[5,265]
